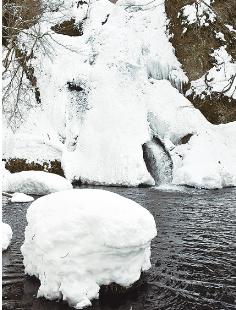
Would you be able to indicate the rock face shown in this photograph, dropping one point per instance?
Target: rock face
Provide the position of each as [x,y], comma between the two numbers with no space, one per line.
[21,164]
[79,240]
[194,46]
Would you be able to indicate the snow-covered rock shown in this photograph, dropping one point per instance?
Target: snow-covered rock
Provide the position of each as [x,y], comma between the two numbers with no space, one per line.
[171,116]
[35,183]
[208,160]
[80,239]
[219,79]
[20,197]
[200,12]
[6,236]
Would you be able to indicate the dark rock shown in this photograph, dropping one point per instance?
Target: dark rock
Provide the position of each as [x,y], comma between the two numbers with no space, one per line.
[186,138]
[19,164]
[68,28]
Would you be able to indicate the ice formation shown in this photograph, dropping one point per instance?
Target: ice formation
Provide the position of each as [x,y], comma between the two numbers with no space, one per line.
[6,236]
[35,183]
[20,197]
[110,91]
[96,238]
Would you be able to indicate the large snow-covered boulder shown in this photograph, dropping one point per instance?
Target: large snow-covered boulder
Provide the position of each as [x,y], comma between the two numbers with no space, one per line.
[80,239]
[208,160]
[35,182]
[6,236]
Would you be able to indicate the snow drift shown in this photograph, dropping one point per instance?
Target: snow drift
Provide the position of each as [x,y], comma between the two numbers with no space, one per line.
[97,237]
[208,159]
[6,236]
[34,183]
[20,197]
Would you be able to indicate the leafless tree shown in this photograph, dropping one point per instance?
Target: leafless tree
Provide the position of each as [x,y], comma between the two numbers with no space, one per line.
[18,73]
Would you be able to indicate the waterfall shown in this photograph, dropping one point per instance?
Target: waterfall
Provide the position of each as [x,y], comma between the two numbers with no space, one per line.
[158,161]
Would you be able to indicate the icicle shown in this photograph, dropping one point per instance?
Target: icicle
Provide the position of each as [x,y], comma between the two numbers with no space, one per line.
[159,71]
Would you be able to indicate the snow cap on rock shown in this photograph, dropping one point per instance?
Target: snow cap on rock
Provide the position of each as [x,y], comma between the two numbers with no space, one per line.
[35,183]
[80,239]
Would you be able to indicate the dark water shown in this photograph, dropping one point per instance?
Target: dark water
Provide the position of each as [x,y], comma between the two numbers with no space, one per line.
[193,255]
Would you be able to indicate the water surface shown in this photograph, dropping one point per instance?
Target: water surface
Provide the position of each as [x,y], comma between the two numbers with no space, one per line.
[193,255]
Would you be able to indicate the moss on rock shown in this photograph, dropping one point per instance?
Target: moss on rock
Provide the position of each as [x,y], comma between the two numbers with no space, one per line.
[19,164]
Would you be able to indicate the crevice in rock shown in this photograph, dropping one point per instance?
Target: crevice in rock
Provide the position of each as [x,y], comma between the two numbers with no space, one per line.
[69,28]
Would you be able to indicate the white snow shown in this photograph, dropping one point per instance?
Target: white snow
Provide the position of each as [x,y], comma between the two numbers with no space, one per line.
[199,12]
[219,35]
[102,136]
[171,116]
[87,238]
[219,79]
[231,28]
[35,183]
[208,159]
[20,197]
[6,236]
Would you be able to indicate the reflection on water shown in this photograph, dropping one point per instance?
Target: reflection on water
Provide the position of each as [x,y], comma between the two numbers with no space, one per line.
[193,255]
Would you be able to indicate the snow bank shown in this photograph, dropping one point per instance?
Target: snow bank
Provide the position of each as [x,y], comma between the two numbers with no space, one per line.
[35,183]
[172,116]
[36,140]
[6,236]
[207,160]
[80,239]
[20,197]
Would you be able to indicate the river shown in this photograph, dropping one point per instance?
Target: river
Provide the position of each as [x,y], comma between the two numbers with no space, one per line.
[193,255]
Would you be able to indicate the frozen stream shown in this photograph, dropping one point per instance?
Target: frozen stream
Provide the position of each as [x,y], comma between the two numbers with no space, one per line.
[193,255]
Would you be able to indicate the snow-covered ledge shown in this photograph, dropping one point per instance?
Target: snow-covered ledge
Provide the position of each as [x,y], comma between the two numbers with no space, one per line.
[6,235]
[81,239]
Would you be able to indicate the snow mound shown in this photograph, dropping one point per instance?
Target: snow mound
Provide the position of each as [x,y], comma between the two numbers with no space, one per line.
[35,183]
[171,116]
[208,159]
[6,236]
[80,239]
[20,197]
